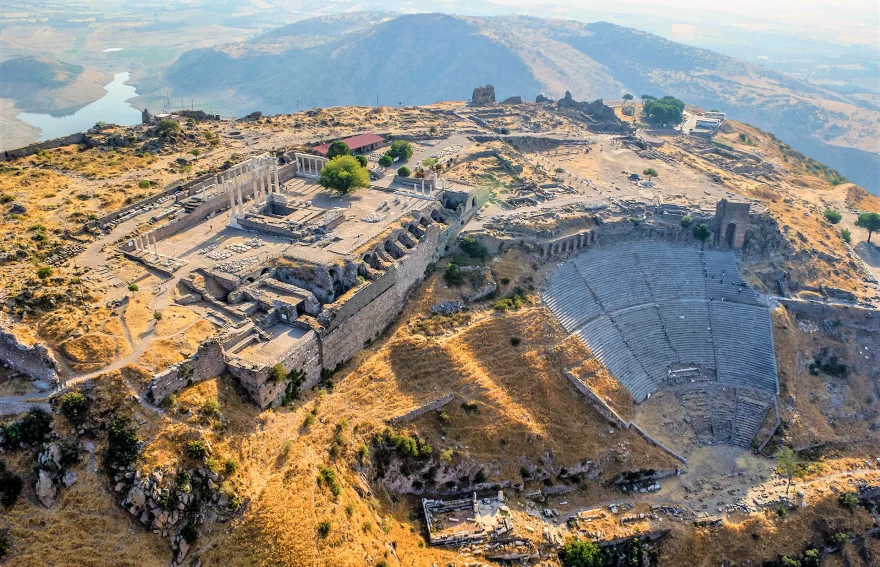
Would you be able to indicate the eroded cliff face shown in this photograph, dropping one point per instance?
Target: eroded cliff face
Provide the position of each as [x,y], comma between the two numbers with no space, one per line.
[36,361]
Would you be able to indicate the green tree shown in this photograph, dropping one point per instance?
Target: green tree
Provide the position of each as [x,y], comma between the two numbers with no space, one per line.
[787,461]
[386,160]
[649,173]
[846,235]
[687,221]
[167,127]
[701,232]
[338,148]
[401,149]
[433,130]
[44,272]
[666,110]
[648,97]
[812,558]
[870,222]
[344,175]
[403,171]
[627,97]
[848,500]
[361,160]
[832,216]
[789,562]
[581,554]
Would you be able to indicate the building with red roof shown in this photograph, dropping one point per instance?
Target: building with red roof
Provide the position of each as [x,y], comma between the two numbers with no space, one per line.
[357,144]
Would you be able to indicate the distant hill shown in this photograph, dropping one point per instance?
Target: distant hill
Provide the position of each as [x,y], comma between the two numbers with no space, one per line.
[39,83]
[424,58]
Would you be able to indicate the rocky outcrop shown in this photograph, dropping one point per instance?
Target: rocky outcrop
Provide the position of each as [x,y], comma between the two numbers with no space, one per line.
[36,361]
[483,96]
[45,488]
[541,98]
[512,100]
[172,503]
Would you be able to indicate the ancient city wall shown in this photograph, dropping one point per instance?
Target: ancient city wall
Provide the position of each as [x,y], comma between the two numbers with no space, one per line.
[305,356]
[848,315]
[73,139]
[207,362]
[351,303]
[368,323]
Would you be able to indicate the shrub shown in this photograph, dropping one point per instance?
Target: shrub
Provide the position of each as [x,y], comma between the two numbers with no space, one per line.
[44,272]
[324,528]
[789,562]
[189,533]
[363,453]
[470,407]
[30,429]
[848,500]
[10,486]
[327,477]
[211,407]
[157,315]
[832,216]
[403,171]
[453,275]
[229,467]
[197,448]
[515,341]
[122,443]
[472,248]
[386,160]
[687,221]
[133,287]
[446,456]
[480,477]
[812,558]
[581,554]
[167,127]
[840,538]
[212,464]
[846,235]
[196,152]
[309,420]
[277,373]
[74,406]
[443,418]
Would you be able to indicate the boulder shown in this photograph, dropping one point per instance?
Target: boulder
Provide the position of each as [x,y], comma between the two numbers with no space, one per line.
[512,100]
[18,209]
[542,98]
[136,497]
[45,489]
[483,96]
[69,479]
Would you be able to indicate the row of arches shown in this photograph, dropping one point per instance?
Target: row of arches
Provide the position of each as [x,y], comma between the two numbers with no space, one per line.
[570,244]
[399,242]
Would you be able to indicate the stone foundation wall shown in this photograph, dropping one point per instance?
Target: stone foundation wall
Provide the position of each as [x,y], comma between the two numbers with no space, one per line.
[368,323]
[207,362]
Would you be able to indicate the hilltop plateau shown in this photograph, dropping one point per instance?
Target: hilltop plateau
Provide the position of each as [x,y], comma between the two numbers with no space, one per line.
[210,358]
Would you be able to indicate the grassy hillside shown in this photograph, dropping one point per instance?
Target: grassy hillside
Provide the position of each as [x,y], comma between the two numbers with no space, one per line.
[424,58]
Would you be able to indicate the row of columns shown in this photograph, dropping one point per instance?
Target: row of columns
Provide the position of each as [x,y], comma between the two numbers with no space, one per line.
[309,166]
[147,243]
[265,182]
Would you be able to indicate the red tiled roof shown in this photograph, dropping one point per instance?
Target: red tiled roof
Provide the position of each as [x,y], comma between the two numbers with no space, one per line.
[354,143]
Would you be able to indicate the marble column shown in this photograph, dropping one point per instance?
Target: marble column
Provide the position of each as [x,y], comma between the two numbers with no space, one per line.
[275,174]
[155,247]
[268,176]
[240,201]
[423,185]
[229,190]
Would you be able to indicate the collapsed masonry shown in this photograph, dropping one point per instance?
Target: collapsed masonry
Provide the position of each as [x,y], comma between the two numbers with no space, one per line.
[314,304]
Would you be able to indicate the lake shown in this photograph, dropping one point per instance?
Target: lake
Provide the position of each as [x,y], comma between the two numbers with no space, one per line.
[111,108]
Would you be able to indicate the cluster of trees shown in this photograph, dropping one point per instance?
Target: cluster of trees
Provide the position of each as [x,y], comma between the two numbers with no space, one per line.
[665,110]
[400,149]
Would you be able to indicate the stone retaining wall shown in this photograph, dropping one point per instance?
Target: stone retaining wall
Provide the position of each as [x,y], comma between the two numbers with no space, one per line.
[73,139]
[422,410]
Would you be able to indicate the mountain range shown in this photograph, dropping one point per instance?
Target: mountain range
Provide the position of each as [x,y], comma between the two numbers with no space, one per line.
[359,58]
